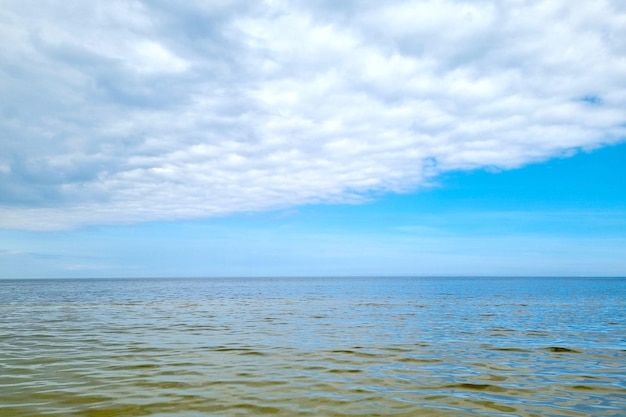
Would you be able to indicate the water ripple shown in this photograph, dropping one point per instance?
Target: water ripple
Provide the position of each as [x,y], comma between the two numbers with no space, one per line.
[312,348]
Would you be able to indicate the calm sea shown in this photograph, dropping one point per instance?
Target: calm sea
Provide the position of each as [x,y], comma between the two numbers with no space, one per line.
[313,347]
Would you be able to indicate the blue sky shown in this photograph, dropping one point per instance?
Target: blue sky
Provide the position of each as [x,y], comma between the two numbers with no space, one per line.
[296,138]
[561,217]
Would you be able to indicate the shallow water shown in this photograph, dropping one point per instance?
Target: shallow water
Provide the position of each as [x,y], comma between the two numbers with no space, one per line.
[313,347]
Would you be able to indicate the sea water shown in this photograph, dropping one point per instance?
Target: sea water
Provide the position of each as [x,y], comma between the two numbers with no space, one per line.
[313,347]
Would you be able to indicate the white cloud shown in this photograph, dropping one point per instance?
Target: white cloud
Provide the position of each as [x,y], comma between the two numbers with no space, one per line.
[5,252]
[120,111]
[152,57]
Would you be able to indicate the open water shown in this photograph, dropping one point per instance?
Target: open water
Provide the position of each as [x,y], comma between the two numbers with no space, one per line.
[313,347]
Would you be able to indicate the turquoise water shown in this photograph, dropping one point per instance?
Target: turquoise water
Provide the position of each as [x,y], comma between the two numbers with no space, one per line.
[313,347]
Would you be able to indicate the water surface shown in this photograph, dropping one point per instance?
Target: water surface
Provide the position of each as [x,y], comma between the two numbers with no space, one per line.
[313,347]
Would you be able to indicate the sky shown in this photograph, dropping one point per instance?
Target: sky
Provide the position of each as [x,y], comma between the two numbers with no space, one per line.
[316,138]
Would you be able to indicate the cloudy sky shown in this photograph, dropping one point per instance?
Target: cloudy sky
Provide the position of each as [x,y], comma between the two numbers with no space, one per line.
[163,138]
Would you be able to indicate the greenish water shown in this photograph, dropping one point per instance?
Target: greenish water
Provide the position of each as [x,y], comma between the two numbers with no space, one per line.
[313,347]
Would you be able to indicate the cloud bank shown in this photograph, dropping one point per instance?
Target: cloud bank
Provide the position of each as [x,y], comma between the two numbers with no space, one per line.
[126,111]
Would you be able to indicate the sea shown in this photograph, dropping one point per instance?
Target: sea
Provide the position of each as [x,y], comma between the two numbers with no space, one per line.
[376,346]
